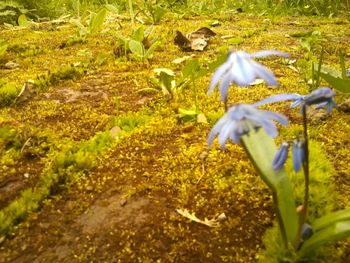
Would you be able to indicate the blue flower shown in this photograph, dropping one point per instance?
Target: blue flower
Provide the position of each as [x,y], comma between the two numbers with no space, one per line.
[306,232]
[241,69]
[238,121]
[321,97]
[348,73]
[298,152]
[281,156]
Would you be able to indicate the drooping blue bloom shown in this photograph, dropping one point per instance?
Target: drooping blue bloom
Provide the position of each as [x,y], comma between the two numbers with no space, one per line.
[241,69]
[298,152]
[348,73]
[238,120]
[321,97]
[281,156]
[306,232]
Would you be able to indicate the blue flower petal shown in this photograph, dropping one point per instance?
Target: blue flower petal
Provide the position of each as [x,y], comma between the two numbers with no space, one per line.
[270,128]
[267,53]
[225,133]
[264,73]
[298,155]
[322,94]
[242,71]
[306,232]
[238,120]
[280,157]
[222,70]
[216,129]
[278,98]
[297,102]
[275,116]
[224,85]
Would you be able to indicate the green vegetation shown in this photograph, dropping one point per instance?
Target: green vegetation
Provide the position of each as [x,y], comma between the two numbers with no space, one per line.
[104,124]
[8,93]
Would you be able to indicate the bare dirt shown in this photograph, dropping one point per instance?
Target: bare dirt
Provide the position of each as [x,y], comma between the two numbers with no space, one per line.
[123,207]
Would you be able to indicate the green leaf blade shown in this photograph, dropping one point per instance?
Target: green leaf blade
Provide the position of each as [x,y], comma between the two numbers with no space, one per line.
[261,150]
[23,21]
[150,51]
[330,219]
[342,85]
[96,22]
[136,48]
[331,233]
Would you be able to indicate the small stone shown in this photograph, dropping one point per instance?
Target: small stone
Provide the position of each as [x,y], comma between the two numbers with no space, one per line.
[345,106]
[201,118]
[188,128]
[203,155]
[221,217]
[89,188]
[317,115]
[26,175]
[115,131]
[11,65]
[27,91]
[300,209]
[123,202]
[215,23]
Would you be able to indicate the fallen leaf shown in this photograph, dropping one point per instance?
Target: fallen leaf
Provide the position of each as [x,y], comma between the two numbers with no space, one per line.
[182,59]
[203,32]
[201,118]
[215,23]
[215,222]
[256,82]
[182,41]
[195,41]
[198,44]
[293,68]
[11,65]
[115,131]
[26,92]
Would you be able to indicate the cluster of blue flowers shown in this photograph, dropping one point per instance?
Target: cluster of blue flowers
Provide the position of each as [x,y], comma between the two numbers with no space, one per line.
[282,154]
[241,69]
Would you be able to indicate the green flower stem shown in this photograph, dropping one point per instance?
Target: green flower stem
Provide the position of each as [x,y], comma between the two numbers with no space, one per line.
[304,211]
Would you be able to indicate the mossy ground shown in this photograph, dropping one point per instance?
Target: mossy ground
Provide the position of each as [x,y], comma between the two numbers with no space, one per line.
[122,207]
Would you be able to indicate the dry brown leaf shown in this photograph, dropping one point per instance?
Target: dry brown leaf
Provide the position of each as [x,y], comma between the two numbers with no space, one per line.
[215,222]
[195,41]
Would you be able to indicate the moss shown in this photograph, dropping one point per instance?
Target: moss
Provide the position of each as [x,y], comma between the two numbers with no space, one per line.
[154,157]
[8,94]
[66,167]
[68,72]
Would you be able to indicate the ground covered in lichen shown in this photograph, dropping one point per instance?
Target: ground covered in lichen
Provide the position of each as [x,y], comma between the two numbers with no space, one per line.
[95,168]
